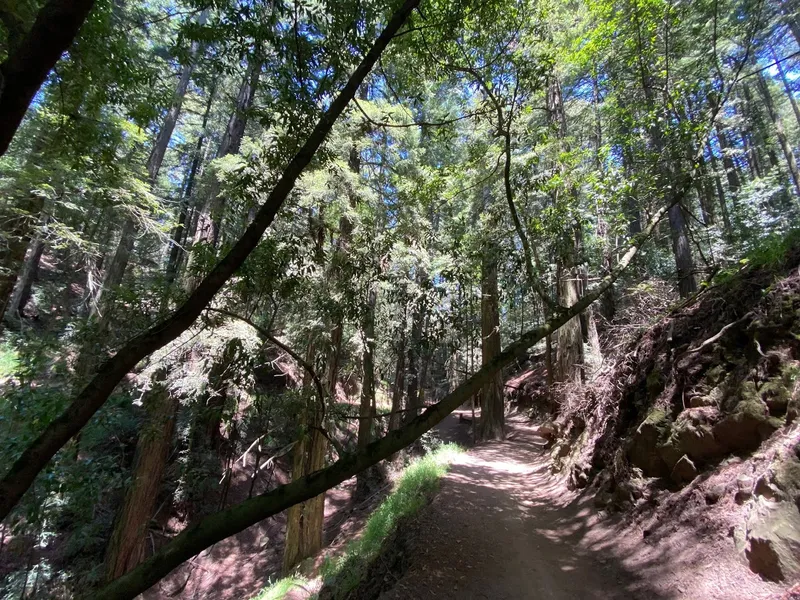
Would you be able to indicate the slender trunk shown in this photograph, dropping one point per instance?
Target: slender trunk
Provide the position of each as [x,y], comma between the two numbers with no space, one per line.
[687,285]
[366,411]
[179,236]
[414,344]
[399,379]
[492,421]
[760,131]
[731,170]
[777,123]
[723,205]
[126,548]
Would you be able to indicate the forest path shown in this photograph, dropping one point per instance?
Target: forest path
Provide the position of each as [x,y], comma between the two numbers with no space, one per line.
[502,527]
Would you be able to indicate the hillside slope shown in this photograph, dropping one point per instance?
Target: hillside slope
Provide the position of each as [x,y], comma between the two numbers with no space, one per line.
[695,424]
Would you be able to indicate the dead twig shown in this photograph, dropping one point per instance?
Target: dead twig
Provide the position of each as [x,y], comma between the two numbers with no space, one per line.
[721,332]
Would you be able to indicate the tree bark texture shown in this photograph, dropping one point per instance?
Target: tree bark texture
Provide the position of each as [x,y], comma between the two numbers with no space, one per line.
[304,521]
[126,548]
[492,424]
[39,452]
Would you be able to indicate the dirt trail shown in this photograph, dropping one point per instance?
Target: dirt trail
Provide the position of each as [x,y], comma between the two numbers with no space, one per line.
[503,528]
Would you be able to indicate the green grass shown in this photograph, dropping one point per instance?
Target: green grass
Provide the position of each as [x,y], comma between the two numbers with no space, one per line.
[419,480]
[9,360]
[279,589]
[416,484]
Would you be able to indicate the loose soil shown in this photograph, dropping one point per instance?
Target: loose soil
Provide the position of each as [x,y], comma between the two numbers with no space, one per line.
[503,527]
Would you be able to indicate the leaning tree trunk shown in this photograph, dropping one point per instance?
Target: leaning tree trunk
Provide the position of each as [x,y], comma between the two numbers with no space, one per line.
[492,422]
[304,521]
[786,86]
[126,547]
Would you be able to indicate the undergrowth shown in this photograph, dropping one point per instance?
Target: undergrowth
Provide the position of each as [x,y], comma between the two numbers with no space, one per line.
[279,589]
[414,488]
[412,491]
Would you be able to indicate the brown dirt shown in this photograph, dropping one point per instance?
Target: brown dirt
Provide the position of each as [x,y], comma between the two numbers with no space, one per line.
[503,527]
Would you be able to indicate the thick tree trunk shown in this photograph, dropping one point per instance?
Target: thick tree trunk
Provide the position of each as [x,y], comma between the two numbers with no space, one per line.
[126,548]
[304,521]
[569,349]
[777,123]
[235,519]
[86,403]
[492,424]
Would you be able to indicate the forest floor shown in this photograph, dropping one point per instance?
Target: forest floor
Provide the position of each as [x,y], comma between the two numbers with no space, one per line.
[503,527]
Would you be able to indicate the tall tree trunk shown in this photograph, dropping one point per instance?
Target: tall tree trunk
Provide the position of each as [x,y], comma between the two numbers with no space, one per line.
[777,122]
[126,548]
[119,264]
[211,213]
[492,424]
[760,132]
[723,205]
[731,170]
[304,521]
[366,410]
[22,290]
[682,251]
[179,236]
[569,349]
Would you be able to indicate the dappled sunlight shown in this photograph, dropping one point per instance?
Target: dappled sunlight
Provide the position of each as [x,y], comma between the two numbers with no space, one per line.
[503,527]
